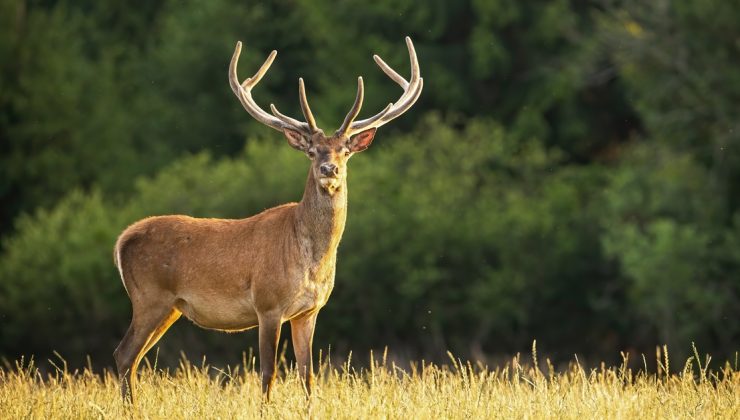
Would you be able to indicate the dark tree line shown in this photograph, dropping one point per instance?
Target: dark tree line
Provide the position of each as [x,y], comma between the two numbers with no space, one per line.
[570,174]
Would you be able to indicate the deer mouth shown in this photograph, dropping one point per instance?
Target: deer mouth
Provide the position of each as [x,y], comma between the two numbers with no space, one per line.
[329,183]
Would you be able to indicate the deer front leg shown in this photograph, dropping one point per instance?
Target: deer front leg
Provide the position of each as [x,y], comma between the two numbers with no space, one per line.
[269,331]
[301,329]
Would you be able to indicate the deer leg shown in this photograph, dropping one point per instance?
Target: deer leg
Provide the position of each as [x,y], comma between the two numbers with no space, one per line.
[301,329]
[145,329]
[269,331]
[161,329]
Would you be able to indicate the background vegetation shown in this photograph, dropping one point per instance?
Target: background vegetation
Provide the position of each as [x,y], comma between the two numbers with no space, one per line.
[571,172]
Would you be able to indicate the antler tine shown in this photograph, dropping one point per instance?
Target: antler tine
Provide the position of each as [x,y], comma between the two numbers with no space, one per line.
[412,90]
[375,117]
[405,103]
[243,92]
[304,106]
[252,81]
[390,72]
[288,120]
[410,86]
[233,78]
[415,72]
[355,107]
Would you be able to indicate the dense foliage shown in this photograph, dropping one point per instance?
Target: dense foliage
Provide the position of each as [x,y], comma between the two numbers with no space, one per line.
[571,172]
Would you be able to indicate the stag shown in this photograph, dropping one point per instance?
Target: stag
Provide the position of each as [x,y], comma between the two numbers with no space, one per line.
[276,266]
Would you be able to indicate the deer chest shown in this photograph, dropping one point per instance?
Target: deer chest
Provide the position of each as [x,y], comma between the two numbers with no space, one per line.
[314,292]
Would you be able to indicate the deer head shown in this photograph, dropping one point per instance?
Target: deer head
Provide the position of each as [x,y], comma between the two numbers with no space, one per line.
[328,154]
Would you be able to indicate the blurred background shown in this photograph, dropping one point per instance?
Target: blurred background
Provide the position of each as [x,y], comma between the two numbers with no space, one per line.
[571,173]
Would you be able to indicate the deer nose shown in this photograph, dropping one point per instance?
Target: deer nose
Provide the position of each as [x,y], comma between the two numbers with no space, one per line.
[329,169]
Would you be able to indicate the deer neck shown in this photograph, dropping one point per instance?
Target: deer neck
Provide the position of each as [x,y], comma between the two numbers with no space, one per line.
[320,219]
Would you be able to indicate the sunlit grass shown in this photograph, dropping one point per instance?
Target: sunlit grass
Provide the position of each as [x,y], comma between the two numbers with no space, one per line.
[423,391]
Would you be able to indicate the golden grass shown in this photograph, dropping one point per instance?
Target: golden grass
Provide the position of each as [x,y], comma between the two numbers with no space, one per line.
[460,390]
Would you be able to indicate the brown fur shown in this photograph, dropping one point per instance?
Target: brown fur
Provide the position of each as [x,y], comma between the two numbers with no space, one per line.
[232,275]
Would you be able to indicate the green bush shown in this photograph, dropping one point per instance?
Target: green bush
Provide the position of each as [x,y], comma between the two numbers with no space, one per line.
[680,264]
[432,255]
[462,239]
[457,239]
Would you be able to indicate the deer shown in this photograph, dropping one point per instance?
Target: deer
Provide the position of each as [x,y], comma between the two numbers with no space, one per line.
[261,271]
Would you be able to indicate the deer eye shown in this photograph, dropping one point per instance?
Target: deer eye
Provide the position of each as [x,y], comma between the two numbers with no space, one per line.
[346,153]
[311,154]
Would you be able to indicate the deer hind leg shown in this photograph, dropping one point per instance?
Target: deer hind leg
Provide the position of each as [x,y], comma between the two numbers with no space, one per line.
[147,327]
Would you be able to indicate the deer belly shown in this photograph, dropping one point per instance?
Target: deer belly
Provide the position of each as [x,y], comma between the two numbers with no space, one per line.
[219,314]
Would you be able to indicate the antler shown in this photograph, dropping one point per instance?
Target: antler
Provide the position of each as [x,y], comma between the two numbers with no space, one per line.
[412,90]
[278,121]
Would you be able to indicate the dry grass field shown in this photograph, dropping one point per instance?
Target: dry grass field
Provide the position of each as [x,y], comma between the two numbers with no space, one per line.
[458,390]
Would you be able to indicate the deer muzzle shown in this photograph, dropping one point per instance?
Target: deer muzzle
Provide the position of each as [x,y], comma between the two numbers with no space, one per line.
[329,170]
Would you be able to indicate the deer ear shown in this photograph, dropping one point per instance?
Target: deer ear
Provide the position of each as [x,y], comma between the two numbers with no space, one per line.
[361,140]
[297,140]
